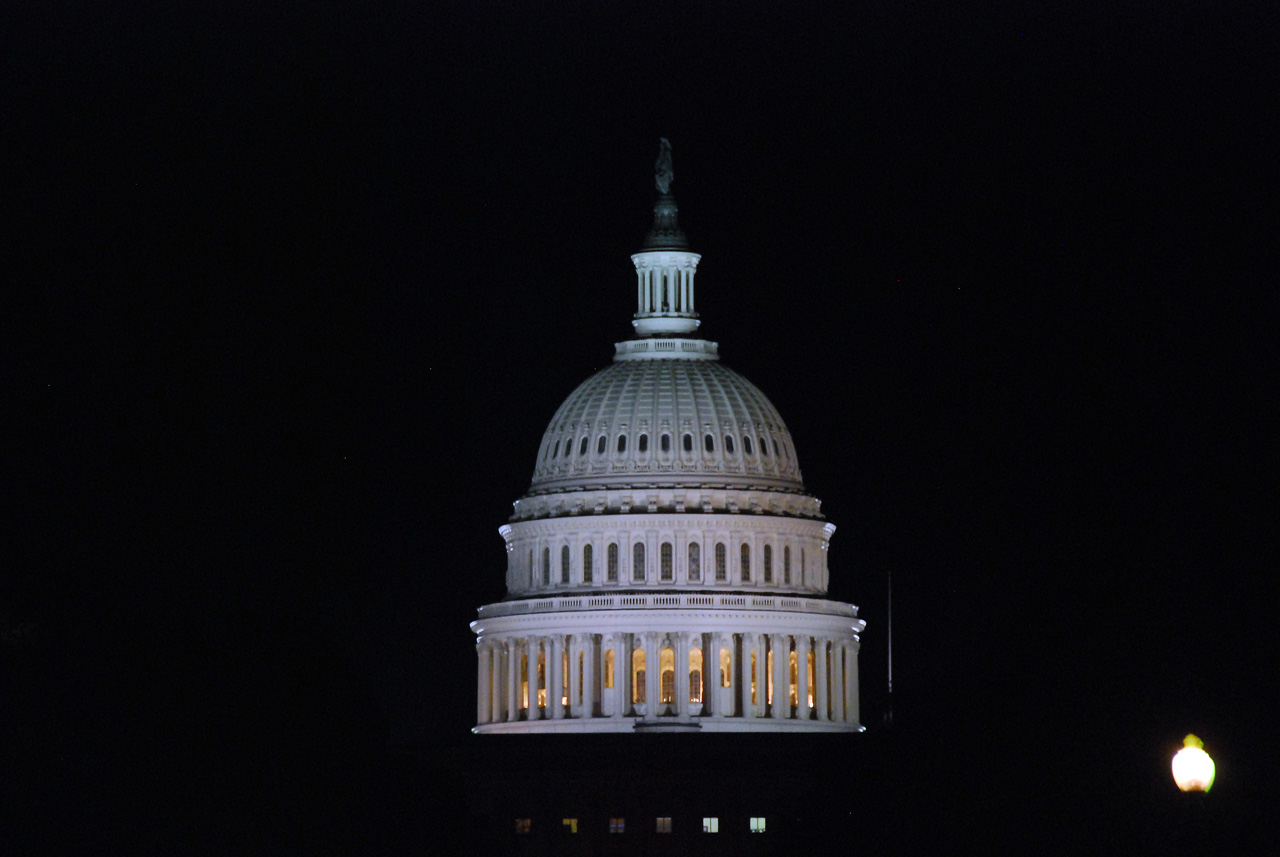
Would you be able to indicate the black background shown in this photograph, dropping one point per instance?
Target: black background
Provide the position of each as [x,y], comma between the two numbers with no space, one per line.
[294,291]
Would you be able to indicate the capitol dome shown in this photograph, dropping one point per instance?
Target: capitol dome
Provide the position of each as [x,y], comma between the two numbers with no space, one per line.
[666,568]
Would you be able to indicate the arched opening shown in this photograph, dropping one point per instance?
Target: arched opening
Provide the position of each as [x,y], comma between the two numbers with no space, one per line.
[564,564]
[665,562]
[695,675]
[637,676]
[588,564]
[542,680]
[524,680]
[709,443]
[764,447]
[754,673]
[582,447]
[745,564]
[786,564]
[600,444]
[728,444]
[746,444]
[794,673]
[608,669]
[722,571]
[665,443]
[612,555]
[726,664]
[695,562]
[688,443]
[768,563]
[622,443]
[546,566]
[643,444]
[555,450]
[637,561]
[667,665]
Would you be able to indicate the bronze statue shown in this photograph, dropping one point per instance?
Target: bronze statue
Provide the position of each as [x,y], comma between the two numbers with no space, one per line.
[662,170]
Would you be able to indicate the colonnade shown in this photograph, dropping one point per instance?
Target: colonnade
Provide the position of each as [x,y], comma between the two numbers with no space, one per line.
[665,289]
[678,675]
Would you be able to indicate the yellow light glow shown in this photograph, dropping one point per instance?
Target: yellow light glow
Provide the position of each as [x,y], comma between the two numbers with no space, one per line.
[1193,770]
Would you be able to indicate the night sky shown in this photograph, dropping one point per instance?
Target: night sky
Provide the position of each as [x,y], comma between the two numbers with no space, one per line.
[293,291]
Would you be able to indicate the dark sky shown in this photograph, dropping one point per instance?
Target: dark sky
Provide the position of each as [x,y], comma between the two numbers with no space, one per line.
[299,286]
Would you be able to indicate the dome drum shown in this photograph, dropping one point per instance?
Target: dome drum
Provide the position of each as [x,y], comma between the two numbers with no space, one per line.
[678,499]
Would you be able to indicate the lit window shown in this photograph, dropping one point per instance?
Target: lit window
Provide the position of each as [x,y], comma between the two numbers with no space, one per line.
[644,443]
[588,564]
[746,562]
[637,561]
[688,443]
[608,668]
[617,825]
[667,665]
[695,560]
[666,443]
[695,675]
[613,563]
[710,825]
[523,825]
[570,825]
[709,443]
[564,564]
[768,563]
[725,663]
[637,676]
[757,825]
[666,560]
[664,824]
[721,563]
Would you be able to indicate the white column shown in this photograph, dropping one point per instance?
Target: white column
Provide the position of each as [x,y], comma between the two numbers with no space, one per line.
[851,682]
[483,690]
[820,676]
[532,644]
[728,709]
[762,679]
[745,675]
[781,645]
[588,649]
[513,680]
[682,649]
[555,677]
[802,678]
[837,681]
[652,674]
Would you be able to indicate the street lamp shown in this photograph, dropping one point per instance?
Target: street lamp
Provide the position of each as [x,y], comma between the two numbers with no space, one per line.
[1193,770]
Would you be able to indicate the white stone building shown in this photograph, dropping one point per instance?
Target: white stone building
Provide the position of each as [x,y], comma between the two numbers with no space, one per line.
[666,569]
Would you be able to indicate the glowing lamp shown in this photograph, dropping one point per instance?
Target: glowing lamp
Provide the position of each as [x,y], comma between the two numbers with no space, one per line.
[1192,768]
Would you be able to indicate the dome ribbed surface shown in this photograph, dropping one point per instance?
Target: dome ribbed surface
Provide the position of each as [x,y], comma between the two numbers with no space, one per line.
[666,422]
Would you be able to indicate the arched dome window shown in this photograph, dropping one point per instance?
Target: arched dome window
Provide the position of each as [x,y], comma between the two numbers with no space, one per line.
[568,447]
[709,443]
[582,447]
[665,561]
[746,444]
[612,558]
[764,447]
[695,562]
[786,564]
[555,450]
[622,443]
[745,565]
[588,564]
[768,563]
[728,444]
[564,564]
[775,448]
[688,443]
[802,566]
[546,566]
[643,444]
[637,561]
[665,443]
[722,571]
[601,445]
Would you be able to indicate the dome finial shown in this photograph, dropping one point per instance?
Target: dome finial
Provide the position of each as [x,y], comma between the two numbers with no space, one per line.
[666,233]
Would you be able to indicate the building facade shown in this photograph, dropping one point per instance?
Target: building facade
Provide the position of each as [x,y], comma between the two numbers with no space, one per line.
[667,570]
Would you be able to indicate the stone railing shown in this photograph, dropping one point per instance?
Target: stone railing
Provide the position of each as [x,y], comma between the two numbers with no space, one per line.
[668,601]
